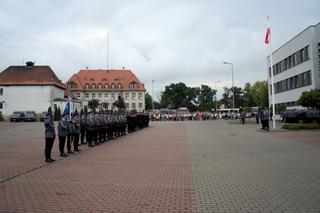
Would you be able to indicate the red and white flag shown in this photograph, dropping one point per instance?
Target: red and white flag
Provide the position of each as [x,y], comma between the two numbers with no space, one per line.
[268,33]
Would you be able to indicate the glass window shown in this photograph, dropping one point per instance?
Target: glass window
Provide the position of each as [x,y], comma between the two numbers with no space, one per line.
[133,106]
[100,86]
[1,105]
[78,94]
[127,105]
[119,86]
[93,95]
[87,95]
[113,96]
[1,91]
[106,86]
[106,95]
[140,105]
[127,96]
[140,95]
[99,95]
[133,96]
[93,86]
[87,86]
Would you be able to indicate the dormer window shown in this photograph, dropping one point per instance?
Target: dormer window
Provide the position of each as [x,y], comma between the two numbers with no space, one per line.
[100,86]
[119,86]
[106,86]
[113,86]
[72,85]
[93,86]
[87,86]
[133,85]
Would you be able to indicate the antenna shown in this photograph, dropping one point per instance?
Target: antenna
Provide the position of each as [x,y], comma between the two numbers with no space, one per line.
[108,51]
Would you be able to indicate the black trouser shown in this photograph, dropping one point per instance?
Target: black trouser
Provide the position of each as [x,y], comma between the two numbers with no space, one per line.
[89,137]
[100,131]
[62,141]
[75,141]
[70,139]
[83,134]
[48,148]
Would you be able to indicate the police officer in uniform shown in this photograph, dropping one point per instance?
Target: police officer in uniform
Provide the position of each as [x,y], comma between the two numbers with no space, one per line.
[62,133]
[50,135]
[76,131]
[83,128]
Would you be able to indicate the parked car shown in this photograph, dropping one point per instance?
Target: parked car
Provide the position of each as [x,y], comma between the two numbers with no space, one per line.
[30,116]
[17,116]
[43,116]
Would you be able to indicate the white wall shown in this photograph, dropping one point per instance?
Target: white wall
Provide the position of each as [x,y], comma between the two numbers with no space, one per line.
[28,98]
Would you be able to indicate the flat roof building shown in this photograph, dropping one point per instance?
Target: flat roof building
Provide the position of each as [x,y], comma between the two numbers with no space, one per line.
[296,68]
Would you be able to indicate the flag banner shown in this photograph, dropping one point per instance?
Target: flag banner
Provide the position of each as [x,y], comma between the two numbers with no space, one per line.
[267,38]
[67,109]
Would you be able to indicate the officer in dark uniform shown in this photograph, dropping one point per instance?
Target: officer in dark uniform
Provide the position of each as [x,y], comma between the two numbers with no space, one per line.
[83,128]
[70,129]
[76,131]
[90,129]
[50,135]
[62,133]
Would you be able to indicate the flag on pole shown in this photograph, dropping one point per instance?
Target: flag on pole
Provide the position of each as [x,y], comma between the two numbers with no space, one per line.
[266,40]
[67,108]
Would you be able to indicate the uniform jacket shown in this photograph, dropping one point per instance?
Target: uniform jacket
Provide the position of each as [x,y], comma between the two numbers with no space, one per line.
[49,128]
[62,127]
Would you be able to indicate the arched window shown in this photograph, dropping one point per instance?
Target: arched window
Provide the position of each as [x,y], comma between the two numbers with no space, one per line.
[113,86]
[100,86]
[119,86]
[106,86]
[87,86]
[93,86]
[133,85]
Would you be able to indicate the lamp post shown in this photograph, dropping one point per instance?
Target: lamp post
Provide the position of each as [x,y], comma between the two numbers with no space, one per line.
[152,97]
[232,84]
[215,88]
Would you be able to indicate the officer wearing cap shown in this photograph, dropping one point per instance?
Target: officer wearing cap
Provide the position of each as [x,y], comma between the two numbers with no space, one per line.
[50,136]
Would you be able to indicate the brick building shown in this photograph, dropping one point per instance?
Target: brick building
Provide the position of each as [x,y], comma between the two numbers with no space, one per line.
[106,86]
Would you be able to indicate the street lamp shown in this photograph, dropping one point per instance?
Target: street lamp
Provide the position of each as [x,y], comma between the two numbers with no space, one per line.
[215,88]
[232,83]
[152,96]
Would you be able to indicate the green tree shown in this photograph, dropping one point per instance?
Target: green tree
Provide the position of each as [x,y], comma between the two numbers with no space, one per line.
[148,101]
[93,104]
[310,99]
[259,93]
[248,100]
[206,98]
[49,109]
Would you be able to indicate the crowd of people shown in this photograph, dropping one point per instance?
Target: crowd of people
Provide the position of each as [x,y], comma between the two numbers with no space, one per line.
[91,129]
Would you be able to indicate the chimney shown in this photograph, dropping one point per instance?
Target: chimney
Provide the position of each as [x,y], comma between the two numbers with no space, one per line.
[29,64]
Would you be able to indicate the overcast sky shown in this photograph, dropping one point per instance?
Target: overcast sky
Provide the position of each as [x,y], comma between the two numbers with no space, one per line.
[166,40]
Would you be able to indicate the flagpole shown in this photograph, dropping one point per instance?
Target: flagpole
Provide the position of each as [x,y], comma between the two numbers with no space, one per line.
[272,80]
[69,99]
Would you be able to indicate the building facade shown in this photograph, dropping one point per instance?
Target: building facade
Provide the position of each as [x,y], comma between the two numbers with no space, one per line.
[107,86]
[29,88]
[296,68]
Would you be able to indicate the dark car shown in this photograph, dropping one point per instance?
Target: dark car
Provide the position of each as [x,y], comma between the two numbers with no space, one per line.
[17,116]
[43,116]
[30,116]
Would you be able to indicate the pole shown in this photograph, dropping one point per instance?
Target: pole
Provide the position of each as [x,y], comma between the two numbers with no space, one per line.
[232,87]
[152,96]
[108,51]
[215,88]
[272,81]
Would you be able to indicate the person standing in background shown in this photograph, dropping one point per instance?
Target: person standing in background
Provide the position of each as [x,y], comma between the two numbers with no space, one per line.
[50,136]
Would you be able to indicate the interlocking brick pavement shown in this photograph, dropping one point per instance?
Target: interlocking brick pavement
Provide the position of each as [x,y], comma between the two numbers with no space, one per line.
[205,166]
[146,171]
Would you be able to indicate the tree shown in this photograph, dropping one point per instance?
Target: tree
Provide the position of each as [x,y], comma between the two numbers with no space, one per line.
[120,103]
[93,104]
[248,100]
[310,99]
[85,110]
[259,93]
[148,101]
[206,98]
[49,109]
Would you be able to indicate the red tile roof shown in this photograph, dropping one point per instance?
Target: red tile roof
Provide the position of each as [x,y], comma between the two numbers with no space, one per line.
[124,77]
[33,75]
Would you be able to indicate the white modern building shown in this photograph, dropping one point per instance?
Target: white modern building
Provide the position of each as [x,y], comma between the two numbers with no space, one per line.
[29,88]
[106,86]
[296,67]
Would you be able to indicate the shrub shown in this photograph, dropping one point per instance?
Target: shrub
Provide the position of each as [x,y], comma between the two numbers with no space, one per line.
[301,126]
[1,117]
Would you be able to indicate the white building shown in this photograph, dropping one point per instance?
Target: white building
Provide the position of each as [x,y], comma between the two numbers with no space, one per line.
[296,67]
[29,88]
[106,86]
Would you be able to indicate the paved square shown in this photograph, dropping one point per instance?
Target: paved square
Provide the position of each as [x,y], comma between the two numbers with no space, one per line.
[201,166]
